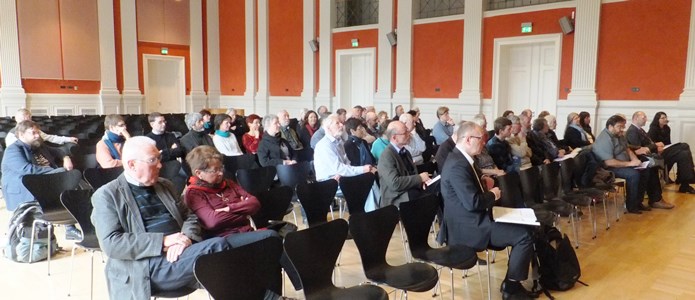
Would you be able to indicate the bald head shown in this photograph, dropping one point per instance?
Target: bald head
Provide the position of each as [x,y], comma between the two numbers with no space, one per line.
[639,118]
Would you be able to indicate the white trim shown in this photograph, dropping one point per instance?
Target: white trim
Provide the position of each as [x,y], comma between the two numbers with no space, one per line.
[52,102]
[182,77]
[439,19]
[308,55]
[290,103]
[355,28]
[530,8]
[238,101]
[612,1]
[555,38]
[342,53]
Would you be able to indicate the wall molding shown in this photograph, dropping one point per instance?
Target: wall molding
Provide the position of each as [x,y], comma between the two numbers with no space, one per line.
[530,8]
[65,104]
[439,19]
[355,28]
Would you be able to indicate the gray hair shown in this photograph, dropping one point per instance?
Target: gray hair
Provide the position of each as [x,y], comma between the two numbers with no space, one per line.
[515,119]
[479,119]
[193,118]
[465,127]
[132,149]
[329,120]
[269,119]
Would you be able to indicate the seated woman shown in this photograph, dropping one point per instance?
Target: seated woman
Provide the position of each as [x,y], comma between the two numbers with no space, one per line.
[108,149]
[678,153]
[575,136]
[382,142]
[225,141]
[307,128]
[273,149]
[222,206]
[252,138]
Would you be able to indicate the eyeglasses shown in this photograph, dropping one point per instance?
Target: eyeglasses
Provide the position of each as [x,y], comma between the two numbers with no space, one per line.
[120,125]
[151,161]
[214,171]
[475,137]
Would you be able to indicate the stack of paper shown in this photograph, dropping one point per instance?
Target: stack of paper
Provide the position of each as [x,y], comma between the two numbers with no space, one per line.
[524,216]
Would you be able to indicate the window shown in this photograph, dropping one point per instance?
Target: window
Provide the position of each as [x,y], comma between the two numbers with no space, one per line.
[356,12]
[438,8]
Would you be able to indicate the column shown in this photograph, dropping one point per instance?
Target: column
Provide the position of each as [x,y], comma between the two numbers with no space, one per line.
[109,95]
[326,24]
[132,96]
[586,30]
[382,98]
[471,94]
[213,31]
[688,95]
[261,103]
[198,97]
[12,96]
[404,56]
[250,35]
[308,56]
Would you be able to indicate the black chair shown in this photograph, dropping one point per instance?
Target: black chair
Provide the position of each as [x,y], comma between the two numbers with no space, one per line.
[417,216]
[78,203]
[96,177]
[372,233]
[256,181]
[533,196]
[46,189]
[274,203]
[292,175]
[234,163]
[313,253]
[246,272]
[316,199]
[568,184]
[550,175]
[356,189]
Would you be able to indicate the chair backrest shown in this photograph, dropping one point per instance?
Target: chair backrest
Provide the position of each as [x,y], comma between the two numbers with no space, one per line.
[417,216]
[314,251]
[531,185]
[234,163]
[170,169]
[356,189]
[316,199]
[274,204]
[245,272]
[292,175]
[567,174]
[96,177]
[256,181]
[511,190]
[79,204]
[550,175]
[372,232]
[46,188]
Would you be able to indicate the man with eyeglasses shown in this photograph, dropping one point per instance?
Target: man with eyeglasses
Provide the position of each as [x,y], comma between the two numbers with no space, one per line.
[24,114]
[151,238]
[108,149]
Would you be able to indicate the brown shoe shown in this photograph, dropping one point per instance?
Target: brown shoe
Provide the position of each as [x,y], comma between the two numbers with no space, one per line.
[662,204]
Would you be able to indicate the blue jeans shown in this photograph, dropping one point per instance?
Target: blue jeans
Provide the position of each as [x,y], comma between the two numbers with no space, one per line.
[635,190]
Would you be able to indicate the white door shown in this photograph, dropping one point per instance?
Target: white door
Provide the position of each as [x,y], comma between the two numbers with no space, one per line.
[356,76]
[164,85]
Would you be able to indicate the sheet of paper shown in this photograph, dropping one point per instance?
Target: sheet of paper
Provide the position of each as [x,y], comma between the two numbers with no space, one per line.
[643,165]
[524,216]
[433,180]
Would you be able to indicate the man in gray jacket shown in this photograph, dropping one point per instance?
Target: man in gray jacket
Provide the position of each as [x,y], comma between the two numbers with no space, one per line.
[148,234]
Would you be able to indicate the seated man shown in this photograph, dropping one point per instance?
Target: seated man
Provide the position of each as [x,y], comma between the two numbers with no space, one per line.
[109,147]
[167,143]
[150,237]
[196,135]
[499,149]
[29,155]
[467,208]
[24,114]
[611,148]
[398,179]
[543,150]
[356,148]
[640,142]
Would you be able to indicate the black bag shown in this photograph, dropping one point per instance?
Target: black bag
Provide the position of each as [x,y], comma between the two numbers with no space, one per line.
[559,267]
[19,235]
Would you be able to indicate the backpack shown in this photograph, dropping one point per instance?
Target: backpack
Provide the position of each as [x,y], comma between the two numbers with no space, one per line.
[19,245]
[559,267]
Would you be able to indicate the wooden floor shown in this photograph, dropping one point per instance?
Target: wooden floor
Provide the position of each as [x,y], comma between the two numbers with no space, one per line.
[649,256]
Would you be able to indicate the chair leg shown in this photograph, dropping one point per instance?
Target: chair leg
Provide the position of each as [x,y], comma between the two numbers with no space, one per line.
[451,272]
[91,275]
[489,286]
[31,245]
[605,212]
[404,239]
[574,228]
[72,268]
[50,230]
[592,218]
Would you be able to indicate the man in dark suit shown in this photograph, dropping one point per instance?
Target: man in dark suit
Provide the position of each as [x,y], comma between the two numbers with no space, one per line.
[467,206]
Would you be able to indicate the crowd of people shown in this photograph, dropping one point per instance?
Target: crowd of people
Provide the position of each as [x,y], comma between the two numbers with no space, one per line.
[153,234]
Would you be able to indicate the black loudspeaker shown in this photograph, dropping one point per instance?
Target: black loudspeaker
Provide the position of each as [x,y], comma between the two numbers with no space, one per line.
[314,45]
[566,25]
[391,36]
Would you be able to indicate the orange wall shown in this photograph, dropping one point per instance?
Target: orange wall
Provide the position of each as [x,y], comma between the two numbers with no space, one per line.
[174,50]
[437,59]
[285,41]
[53,86]
[642,44]
[343,40]
[232,47]
[544,22]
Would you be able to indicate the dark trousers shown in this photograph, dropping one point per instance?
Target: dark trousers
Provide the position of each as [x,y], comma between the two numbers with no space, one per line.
[649,179]
[635,190]
[519,237]
[680,154]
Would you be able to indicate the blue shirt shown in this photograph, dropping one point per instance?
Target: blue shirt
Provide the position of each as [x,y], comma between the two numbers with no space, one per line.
[330,159]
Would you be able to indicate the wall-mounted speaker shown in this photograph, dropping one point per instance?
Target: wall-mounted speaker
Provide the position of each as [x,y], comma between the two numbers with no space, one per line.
[393,39]
[314,45]
[567,25]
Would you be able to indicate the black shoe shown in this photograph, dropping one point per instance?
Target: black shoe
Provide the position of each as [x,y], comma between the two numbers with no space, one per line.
[482,262]
[686,189]
[513,290]
[643,207]
[636,211]
[72,233]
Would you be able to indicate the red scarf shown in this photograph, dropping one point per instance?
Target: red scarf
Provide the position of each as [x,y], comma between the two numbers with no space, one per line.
[310,128]
[196,183]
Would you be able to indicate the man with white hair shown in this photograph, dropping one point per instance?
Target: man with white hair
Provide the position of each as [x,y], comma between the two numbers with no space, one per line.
[288,133]
[416,145]
[372,121]
[149,235]
[24,114]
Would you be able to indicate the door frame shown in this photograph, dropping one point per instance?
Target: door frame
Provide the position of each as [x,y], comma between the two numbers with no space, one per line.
[502,44]
[146,58]
[371,73]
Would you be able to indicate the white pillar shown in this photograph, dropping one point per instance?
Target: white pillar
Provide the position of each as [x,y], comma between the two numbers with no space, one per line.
[12,96]
[404,56]
[198,97]
[382,98]
[326,24]
[688,95]
[250,40]
[308,55]
[263,69]
[109,95]
[132,96]
[471,94]
[213,31]
[586,31]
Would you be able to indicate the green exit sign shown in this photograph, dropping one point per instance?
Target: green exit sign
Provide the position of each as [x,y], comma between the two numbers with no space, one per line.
[526,27]
[355,43]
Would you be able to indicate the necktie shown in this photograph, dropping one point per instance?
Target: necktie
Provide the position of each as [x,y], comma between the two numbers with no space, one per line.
[407,160]
[477,177]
